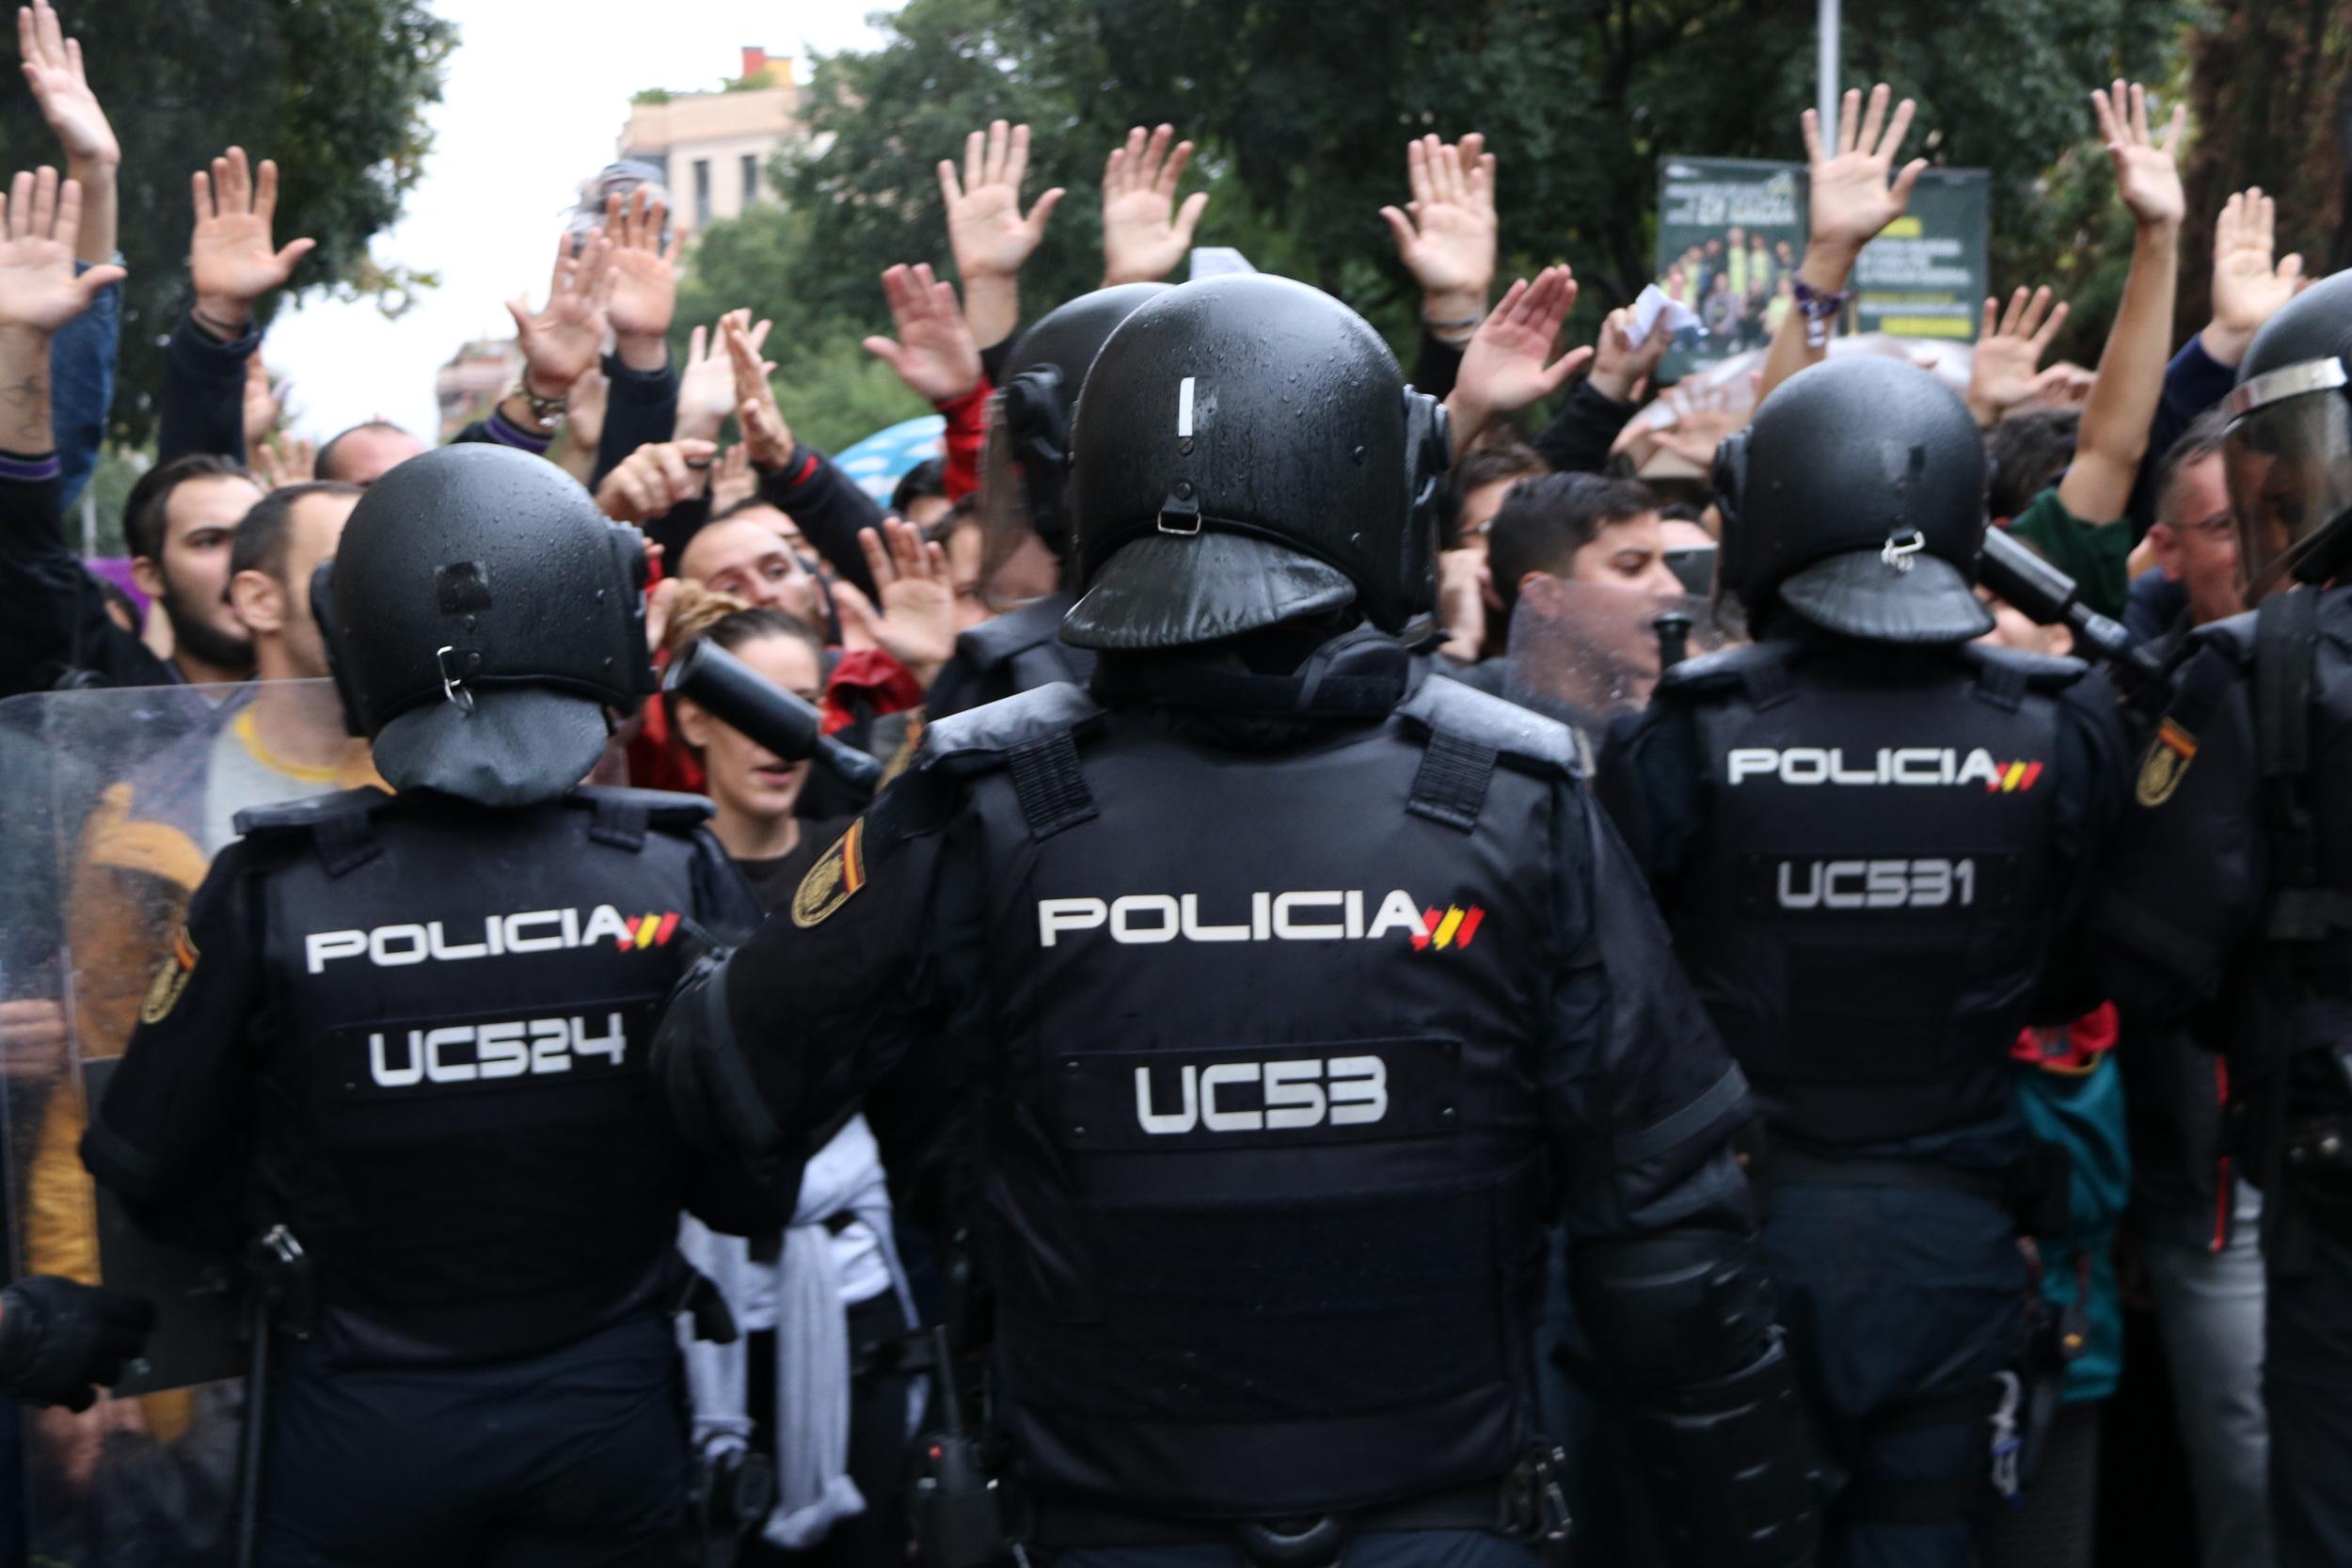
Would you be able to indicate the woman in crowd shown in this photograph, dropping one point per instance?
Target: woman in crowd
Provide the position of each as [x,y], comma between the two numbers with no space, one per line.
[827,1297]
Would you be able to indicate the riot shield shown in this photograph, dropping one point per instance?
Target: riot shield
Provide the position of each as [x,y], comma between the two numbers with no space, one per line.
[116,803]
[1584,653]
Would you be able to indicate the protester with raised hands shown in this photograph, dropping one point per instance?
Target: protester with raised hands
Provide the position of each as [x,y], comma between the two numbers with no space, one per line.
[2071,522]
[1445,236]
[798,481]
[81,356]
[1145,234]
[987,231]
[235,263]
[560,343]
[1855,193]
[1580,437]
[1504,368]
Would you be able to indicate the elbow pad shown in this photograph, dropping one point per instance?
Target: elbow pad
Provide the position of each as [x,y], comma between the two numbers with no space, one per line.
[699,1070]
[1683,1322]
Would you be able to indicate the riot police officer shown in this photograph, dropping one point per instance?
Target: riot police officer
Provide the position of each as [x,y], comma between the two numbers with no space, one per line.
[1024,490]
[407,1034]
[1867,832]
[1301,985]
[2233,883]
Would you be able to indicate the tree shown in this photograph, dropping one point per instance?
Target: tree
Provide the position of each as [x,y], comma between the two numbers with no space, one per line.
[334,89]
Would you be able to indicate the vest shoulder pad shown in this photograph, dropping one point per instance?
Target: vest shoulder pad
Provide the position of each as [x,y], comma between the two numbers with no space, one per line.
[1725,669]
[1021,719]
[1443,706]
[994,641]
[2040,672]
[2233,638]
[665,809]
[303,818]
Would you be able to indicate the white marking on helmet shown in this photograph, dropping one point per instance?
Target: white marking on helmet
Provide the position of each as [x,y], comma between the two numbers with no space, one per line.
[1184,407]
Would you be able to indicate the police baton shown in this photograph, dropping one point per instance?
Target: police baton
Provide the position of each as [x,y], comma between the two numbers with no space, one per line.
[2049,597]
[784,723]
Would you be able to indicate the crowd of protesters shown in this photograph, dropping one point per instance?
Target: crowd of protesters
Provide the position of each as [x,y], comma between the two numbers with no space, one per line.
[1558,557]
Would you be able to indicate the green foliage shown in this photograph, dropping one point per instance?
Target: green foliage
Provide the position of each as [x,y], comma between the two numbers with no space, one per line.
[334,89]
[651,95]
[1302,109]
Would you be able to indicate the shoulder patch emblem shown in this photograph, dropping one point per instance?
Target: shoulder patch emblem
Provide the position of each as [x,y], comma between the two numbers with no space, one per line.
[171,978]
[2166,765]
[835,878]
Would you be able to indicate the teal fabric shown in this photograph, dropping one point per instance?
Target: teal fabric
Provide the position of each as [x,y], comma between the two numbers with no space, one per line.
[2083,1113]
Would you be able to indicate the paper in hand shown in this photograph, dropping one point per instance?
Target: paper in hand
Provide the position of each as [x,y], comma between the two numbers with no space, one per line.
[1647,309]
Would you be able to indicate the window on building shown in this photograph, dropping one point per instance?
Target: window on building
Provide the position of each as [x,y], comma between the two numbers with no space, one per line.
[751,177]
[702,193]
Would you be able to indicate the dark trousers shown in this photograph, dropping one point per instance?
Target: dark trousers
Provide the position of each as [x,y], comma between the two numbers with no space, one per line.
[571,1459]
[2306,1382]
[1894,1296]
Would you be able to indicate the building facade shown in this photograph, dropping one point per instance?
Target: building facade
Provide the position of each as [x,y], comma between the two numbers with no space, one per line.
[713,148]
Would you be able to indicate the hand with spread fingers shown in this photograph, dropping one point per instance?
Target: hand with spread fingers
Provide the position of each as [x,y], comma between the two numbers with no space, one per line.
[933,353]
[916,623]
[53,68]
[1145,234]
[562,339]
[1445,235]
[644,276]
[987,231]
[2146,175]
[1852,198]
[2005,370]
[38,221]
[705,391]
[1504,369]
[2248,287]
[232,261]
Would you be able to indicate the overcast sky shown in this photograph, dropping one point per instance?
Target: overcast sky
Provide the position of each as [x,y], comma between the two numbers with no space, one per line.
[533,101]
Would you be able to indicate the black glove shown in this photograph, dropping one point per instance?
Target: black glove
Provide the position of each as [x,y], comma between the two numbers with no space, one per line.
[57,1338]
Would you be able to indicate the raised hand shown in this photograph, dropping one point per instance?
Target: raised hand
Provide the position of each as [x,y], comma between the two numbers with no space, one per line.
[654,479]
[985,229]
[1620,366]
[53,68]
[732,479]
[263,407]
[232,261]
[916,622]
[705,391]
[1504,369]
[767,440]
[562,339]
[2004,369]
[1852,199]
[1448,241]
[933,353]
[283,460]
[2248,288]
[1144,234]
[38,290]
[644,276]
[2146,176]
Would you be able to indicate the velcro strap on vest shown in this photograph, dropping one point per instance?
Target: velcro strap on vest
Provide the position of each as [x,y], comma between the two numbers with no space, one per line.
[345,840]
[1451,785]
[1052,789]
[619,823]
[2001,685]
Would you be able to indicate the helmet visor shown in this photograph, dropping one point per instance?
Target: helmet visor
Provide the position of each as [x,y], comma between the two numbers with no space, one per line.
[2288,458]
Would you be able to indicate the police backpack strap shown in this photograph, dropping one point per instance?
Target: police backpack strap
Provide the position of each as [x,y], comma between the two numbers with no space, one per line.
[2005,675]
[339,826]
[1025,644]
[624,816]
[2285,643]
[1468,732]
[1758,669]
[1033,737]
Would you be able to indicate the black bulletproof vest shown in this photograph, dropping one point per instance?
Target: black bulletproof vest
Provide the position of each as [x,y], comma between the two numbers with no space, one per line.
[1868,906]
[1262,1159]
[1016,652]
[456,1121]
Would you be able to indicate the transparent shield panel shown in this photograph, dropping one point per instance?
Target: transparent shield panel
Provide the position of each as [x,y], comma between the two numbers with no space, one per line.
[1587,652]
[117,801]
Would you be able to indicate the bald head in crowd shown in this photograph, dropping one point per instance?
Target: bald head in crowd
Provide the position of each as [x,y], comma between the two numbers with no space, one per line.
[363,455]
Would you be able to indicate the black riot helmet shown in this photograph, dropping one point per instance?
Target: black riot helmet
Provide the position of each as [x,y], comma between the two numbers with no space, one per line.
[1248,453]
[481,615]
[1856,499]
[1028,470]
[2288,453]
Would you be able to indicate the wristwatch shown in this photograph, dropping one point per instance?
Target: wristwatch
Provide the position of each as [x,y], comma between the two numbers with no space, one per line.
[1819,310]
[547,411]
